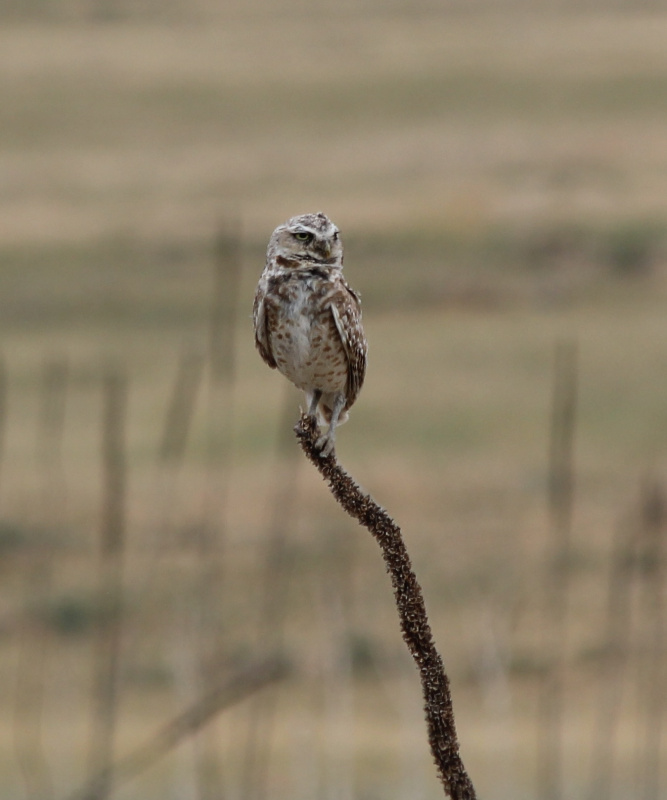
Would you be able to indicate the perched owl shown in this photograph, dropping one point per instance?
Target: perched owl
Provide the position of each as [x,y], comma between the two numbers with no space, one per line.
[308,320]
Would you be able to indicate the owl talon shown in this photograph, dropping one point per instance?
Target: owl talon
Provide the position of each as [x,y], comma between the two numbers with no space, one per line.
[325,444]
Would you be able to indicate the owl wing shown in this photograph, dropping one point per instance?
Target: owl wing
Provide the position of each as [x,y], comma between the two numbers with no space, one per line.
[259,316]
[346,312]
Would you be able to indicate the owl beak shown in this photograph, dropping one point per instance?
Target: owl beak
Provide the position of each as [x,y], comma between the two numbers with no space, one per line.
[324,247]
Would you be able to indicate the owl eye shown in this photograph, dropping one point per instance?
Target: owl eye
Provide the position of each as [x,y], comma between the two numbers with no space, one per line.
[303,237]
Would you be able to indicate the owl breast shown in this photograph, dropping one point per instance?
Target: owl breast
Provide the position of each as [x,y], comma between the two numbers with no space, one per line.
[304,341]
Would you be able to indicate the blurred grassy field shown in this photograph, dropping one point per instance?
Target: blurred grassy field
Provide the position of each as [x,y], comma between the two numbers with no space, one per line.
[500,180]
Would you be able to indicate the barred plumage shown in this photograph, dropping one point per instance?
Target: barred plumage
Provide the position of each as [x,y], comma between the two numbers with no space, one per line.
[308,320]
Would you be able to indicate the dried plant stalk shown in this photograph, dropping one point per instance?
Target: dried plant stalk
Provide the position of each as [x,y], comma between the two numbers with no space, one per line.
[233,690]
[653,609]
[181,409]
[4,391]
[411,609]
[112,546]
[616,644]
[211,588]
[551,710]
[35,643]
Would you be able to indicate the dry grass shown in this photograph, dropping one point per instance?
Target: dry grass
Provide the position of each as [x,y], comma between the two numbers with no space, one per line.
[451,434]
[388,121]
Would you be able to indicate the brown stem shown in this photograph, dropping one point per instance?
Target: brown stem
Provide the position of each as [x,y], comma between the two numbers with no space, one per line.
[411,609]
[237,687]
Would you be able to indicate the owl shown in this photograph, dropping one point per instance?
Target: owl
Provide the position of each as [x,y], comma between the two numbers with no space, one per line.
[308,320]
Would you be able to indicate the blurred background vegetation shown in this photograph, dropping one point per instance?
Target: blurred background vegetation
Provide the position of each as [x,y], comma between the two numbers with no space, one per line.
[499,173]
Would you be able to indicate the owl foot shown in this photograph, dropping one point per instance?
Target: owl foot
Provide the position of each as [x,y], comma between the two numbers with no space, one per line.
[325,443]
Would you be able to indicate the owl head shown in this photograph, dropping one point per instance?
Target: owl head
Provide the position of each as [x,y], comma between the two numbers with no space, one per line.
[309,238]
